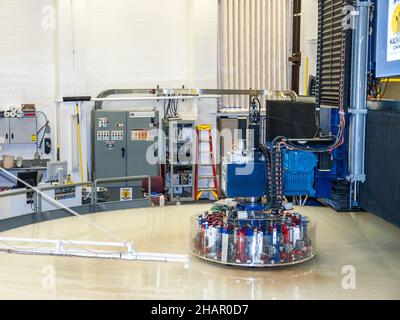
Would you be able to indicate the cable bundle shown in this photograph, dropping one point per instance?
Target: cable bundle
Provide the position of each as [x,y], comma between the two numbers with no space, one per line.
[171,109]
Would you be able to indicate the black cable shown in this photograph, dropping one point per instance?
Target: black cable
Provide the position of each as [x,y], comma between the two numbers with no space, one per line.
[44,133]
[176,109]
[276,193]
[267,156]
[256,99]
[172,109]
[44,115]
[165,108]
[45,126]
[167,114]
[42,140]
[274,168]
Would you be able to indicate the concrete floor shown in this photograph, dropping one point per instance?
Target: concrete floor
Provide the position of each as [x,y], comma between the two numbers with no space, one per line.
[361,240]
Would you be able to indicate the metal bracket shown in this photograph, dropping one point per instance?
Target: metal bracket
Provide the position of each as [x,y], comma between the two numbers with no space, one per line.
[356,13]
[359,177]
[364,4]
[358,112]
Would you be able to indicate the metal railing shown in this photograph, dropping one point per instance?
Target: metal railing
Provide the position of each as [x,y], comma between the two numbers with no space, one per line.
[37,198]
[18,192]
[119,179]
[55,187]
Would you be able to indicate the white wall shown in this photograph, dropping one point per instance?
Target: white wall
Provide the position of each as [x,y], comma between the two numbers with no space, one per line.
[202,43]
[135,44]
[101,44]
[139,44]
[309,35]
[27,62]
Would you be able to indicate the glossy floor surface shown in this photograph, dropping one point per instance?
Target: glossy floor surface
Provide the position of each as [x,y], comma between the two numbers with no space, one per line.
[358,258]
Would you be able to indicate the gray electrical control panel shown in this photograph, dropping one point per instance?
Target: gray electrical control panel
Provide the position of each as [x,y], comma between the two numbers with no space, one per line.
[122,143]
[18,130]
[142,146]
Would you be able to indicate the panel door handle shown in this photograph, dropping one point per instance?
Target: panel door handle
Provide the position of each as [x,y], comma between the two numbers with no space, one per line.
[123,152]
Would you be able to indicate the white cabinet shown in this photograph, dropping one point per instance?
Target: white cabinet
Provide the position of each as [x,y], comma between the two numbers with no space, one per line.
[18,130]
[4,131]
[23,130]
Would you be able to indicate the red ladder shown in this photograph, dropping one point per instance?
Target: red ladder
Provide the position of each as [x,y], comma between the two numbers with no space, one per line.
[214,190]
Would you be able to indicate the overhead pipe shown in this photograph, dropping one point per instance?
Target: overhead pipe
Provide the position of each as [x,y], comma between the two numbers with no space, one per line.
[182,93]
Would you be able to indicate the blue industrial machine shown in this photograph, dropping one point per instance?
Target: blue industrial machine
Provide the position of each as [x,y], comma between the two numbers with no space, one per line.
[299,173]
[317,154]
[249,172]
[250,232]
[320,151]
[323,156]
[244,178]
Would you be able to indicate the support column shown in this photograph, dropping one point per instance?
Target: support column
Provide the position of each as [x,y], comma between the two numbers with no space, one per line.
[358,111]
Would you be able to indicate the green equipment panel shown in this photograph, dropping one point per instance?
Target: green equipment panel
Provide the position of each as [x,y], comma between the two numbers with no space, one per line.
[120,143]
[109,144]
[142,129]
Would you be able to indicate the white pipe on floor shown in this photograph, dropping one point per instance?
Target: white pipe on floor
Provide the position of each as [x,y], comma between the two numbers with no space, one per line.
[9,245]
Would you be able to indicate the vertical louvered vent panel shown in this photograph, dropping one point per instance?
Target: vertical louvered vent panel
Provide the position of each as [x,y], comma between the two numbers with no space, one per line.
[254,37]
[334,54]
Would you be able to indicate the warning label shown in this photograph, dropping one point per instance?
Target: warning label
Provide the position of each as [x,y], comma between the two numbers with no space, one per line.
[126,194]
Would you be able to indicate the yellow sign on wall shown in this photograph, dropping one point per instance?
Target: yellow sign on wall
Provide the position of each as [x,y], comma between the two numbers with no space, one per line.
[393,53]
[126,194]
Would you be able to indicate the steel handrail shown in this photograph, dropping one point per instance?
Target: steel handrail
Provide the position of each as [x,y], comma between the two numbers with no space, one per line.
[55,187]
[118,179]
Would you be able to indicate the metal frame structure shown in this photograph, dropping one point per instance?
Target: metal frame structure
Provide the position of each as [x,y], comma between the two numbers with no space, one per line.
[158,94]
[172,161]
[343,57]
[37,200]
[68,248]
[167,94]
[119,179]
[60,247]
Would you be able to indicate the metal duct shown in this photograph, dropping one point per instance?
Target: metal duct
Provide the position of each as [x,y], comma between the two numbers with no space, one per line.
[253,46]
